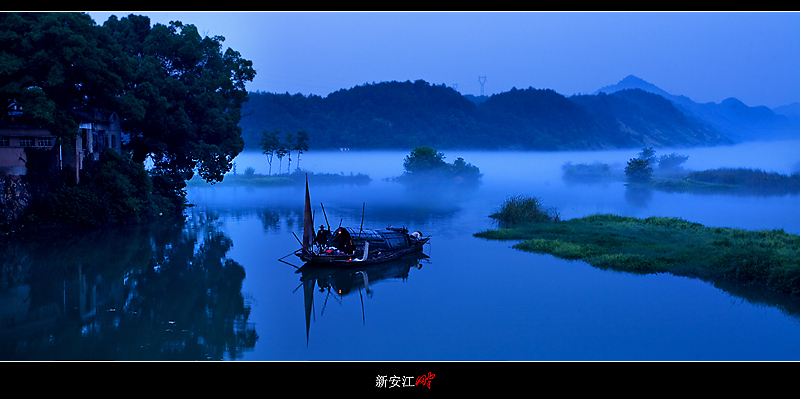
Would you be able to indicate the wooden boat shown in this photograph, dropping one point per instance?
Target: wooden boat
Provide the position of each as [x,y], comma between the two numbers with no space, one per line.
[347,246]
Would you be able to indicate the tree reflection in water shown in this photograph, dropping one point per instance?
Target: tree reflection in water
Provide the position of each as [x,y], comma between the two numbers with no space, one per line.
[165,291]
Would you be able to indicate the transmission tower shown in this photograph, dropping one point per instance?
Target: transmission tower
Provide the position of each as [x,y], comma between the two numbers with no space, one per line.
[481,80]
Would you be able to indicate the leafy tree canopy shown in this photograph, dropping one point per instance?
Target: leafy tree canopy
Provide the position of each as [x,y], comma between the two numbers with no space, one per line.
[427,162]
[55,65]
[179,94]
[183,98]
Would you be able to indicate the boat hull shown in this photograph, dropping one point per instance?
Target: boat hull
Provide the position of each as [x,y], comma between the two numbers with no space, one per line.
[377,256]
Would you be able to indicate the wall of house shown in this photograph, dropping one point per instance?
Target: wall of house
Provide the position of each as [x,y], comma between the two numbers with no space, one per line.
[14,140]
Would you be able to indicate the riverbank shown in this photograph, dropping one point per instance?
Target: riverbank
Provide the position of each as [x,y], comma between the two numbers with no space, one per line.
[766,258]
[284,179]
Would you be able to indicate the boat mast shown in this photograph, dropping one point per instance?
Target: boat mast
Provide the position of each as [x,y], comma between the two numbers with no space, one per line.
[308,222]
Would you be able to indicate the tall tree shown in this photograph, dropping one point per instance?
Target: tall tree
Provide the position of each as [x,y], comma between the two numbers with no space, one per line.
[300,144]
[269,145]
[281,152]
[288,147]
[182,103]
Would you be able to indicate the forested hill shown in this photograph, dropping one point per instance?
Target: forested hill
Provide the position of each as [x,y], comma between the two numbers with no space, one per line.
[403,115]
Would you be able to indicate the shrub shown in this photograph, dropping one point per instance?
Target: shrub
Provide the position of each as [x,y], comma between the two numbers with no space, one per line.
[671,162]
[522,209]
[428,163]
[638,171]
[596,171]
[112,190]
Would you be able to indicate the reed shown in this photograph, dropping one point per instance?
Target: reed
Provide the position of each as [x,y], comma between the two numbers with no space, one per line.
[765,258]
[523,209]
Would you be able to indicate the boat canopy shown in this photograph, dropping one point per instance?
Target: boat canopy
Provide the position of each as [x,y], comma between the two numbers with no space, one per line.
[379,239]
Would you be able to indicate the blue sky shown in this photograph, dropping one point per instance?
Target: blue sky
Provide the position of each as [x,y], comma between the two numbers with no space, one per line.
[707,56]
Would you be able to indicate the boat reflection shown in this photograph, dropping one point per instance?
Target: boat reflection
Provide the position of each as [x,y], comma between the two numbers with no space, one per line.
[340,282]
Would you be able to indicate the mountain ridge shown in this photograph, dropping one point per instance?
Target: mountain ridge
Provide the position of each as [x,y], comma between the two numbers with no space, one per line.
[631,113]
[731,116]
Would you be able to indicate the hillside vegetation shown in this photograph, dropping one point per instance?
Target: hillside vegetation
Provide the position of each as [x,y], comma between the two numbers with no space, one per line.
[403,115]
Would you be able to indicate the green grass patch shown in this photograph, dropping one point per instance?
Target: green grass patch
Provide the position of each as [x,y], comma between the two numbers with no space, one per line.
[765,258]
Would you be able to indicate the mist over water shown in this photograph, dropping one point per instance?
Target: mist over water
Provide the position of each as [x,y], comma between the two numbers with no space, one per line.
[471,299]
[476,299]
[539,174]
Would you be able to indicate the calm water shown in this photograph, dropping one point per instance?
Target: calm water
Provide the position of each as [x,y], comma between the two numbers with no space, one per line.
[214,288]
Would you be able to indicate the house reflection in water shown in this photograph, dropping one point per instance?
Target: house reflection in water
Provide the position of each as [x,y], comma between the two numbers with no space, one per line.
[23,315]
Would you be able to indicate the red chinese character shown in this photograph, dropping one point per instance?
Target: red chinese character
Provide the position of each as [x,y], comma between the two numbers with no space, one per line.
[425,379]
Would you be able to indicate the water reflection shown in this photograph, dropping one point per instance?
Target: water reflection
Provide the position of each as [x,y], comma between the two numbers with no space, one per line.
[161,292]
[638,197]
[338,283]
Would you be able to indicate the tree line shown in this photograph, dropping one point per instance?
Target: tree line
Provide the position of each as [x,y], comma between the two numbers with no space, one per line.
[405,115]
[274,145]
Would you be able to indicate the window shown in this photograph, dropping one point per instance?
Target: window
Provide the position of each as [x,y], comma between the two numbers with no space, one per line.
[4,142]
[26,141]
[45,141]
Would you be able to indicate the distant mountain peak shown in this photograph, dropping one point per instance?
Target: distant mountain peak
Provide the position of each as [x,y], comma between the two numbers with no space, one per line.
[633,82]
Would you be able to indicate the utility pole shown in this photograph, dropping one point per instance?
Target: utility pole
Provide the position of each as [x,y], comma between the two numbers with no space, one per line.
[481,80]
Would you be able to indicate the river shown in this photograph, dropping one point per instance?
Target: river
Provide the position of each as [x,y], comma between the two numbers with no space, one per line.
[214,288]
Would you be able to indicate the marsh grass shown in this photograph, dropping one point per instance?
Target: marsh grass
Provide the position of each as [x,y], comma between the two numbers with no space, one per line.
[764,258]
[522,209]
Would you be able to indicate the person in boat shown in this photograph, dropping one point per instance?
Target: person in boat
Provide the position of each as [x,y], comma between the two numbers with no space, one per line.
[322,237]
[342,242]
[349,247]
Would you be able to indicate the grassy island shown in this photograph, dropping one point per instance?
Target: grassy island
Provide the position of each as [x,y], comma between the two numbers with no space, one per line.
[766,258]
[669,176]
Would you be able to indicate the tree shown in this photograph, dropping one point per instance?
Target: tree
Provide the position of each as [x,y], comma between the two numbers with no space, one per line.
[638,169]
[465,170]
[424,159]
[281,152]
[671,162]
[426,163]
[55,65]
[300,145]
[647,154]
[269,145]
[182,101]
[288,145]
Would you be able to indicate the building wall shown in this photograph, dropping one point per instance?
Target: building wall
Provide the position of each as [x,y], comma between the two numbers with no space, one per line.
[14,140]
[100,131]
